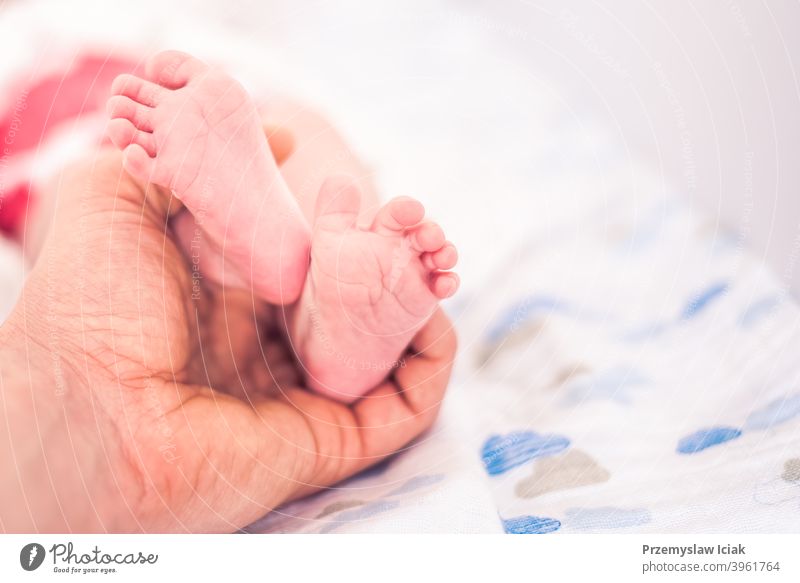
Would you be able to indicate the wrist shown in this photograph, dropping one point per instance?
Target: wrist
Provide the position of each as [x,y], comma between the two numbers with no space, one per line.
[26,429]
[51,470]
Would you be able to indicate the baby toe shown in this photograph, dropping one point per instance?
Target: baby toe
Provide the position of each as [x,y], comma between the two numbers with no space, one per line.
[123,107]
[136,161]
[123,133]
[173,69]
[446,257]
[427,237]
[398,214]
[444,284]
[338,203]
[138,89]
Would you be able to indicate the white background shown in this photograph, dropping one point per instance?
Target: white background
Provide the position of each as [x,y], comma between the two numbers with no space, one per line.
[734,70]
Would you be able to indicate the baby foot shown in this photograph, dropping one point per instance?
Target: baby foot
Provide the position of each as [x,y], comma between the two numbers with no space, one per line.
[369,290]
[193,129]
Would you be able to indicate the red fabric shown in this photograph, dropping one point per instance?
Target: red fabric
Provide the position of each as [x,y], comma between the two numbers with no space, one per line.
[12,211]
[36,109]
[58,97]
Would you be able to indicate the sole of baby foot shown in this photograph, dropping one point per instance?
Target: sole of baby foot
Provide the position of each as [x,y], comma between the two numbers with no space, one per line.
[191,128]
[369,290]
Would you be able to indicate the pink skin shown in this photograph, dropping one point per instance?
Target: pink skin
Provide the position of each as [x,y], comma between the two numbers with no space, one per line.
[369,290]
[193,129]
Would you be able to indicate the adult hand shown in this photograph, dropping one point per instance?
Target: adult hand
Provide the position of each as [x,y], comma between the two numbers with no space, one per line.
[138,398]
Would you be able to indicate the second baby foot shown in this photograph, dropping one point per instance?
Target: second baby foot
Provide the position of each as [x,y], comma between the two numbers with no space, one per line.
[369,290]
[193,129]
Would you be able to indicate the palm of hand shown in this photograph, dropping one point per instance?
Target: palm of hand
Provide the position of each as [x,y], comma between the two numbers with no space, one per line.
[198,392]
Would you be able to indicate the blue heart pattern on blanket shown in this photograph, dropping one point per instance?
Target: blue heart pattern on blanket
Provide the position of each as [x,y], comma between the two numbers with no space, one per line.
[694,305]
[606,517]
[616,384]
[361,513]
[519,313]
[772,414]
[699,302]
[350,510]
[775,412]
[705,438]
[530,525]
[758,310]
[501,453]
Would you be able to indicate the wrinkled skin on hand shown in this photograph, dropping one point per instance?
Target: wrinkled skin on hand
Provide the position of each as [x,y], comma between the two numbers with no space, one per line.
[178,404]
